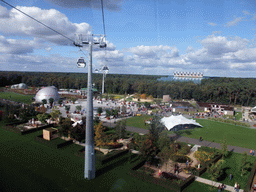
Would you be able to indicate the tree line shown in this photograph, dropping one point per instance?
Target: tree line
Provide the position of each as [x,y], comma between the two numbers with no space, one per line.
[236,91]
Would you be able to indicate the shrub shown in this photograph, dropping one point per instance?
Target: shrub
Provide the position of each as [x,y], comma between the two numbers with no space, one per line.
[180,158]
[184,149]
[203,156]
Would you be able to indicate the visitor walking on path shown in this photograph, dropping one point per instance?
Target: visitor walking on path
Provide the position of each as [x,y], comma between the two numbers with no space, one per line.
[222,186]
[235,187]
[219,188]
[187,163]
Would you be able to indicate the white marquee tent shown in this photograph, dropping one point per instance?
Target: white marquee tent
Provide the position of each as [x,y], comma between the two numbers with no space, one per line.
[172,121]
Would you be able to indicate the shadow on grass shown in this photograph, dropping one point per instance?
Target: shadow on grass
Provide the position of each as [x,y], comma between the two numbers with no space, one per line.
[122,161]
[229,154]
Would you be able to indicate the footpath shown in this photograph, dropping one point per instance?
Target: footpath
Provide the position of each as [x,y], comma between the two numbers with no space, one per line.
[216,184]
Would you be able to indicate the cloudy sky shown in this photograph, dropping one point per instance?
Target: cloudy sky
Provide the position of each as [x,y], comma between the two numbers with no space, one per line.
[156,37]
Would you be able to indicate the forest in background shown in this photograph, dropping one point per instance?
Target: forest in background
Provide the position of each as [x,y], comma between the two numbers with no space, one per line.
[235,91]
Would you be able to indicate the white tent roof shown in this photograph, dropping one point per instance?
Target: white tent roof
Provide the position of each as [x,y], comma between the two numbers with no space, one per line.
[173,121]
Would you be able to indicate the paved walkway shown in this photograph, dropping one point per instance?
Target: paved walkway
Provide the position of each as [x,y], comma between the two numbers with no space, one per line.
[235,149]
[216,184]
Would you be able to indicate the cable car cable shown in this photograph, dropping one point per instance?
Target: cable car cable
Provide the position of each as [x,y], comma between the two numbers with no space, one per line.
[104,28]
[103,17]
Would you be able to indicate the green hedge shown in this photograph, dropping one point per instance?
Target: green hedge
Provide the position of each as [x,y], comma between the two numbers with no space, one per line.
[11,127]
[112,157]
[35,129]
[159,181]
[138,165]
[16,123]
[187,182]
[250,179]
[230,121]
[52,143]
[180,158]
[204,168]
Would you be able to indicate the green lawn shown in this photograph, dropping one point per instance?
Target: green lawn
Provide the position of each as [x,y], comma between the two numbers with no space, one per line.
[232,165]
[216,131]
[28,165]
[16,97]
[138,121]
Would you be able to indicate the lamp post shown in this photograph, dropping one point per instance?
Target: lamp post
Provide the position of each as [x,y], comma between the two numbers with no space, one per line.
[89,169]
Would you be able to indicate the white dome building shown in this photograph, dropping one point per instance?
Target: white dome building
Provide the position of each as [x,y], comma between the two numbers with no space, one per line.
[47,93]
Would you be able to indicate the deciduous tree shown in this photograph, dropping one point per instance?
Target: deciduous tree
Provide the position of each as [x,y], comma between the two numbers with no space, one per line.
[224,147]
[55,114]
[215,170]
[99,135]
[165,155]
[121,129]
[245,165]
[51,100]
[42,117]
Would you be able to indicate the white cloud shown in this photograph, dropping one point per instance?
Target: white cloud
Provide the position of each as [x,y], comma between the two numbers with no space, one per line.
[21,39]
[16,46]
[154,51]
[112,5]
[212,24]
[234,22]
[217,45]
[4,13]
[217,55]
[246,12]
[18,24]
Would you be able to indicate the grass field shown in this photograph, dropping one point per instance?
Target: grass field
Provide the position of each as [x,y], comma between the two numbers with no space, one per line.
[28,165]
[232,165]
[217,131]
[138,121]
[16,97]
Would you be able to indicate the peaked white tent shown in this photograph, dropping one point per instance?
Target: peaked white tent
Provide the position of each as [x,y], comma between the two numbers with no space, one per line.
[172,121]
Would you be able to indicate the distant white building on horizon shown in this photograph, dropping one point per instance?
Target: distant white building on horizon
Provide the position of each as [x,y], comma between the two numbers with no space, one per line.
[19,86]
